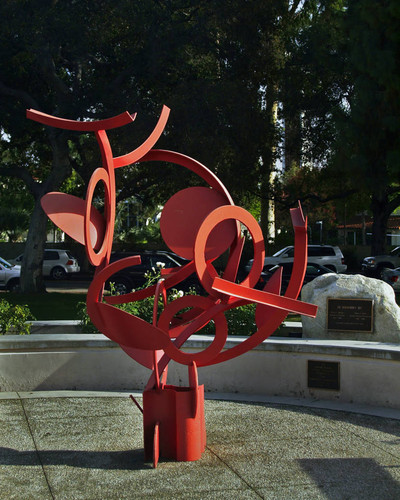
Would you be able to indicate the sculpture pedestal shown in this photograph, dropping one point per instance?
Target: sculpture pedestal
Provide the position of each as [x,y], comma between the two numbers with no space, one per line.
[173,423]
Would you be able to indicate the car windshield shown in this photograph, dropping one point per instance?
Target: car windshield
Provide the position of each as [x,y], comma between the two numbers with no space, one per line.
[280,252]
[395,251]
[313,270]
[5,264]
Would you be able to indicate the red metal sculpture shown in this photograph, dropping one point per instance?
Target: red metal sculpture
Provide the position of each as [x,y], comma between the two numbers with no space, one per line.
[199,224]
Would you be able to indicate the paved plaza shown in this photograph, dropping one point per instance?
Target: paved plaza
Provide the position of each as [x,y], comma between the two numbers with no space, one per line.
[72,445]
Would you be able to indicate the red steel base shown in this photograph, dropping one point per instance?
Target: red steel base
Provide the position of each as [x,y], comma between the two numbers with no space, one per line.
[174,417]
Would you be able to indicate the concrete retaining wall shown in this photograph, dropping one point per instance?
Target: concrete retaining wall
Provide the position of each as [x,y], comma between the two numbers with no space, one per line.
[369,372]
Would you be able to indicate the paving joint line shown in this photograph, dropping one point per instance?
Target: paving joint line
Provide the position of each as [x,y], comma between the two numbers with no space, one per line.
[36,448]
[375,444]
[235,472]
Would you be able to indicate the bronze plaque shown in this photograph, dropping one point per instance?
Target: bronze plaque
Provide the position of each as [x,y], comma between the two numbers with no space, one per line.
[350,315]
[323,375]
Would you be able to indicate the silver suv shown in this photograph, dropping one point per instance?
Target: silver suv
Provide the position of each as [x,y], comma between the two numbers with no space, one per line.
[377,264]
[56,263]
[325,255]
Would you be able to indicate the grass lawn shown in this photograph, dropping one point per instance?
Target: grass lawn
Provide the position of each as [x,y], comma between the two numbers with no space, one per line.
[48,306]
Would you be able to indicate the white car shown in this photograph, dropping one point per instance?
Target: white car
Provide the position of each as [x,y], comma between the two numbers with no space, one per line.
[9,276]
[56,263]
[324,255]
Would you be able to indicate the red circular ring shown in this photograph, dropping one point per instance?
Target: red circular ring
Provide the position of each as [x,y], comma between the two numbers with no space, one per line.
[100,174]
[204,269]
[221,330]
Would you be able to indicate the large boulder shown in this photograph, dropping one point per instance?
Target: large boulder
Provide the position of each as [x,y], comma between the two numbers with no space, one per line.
[386,313]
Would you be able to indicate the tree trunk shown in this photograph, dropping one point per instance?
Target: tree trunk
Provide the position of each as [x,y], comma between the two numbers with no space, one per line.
[267,219]
[380,213]
[292,140]
[31,272]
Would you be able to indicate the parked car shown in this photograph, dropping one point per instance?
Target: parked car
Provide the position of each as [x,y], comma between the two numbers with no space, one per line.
[375,265]
[392,276]
[312,271]
[9,276]
[57,264]
[324,255]
[262,280]
[134,277]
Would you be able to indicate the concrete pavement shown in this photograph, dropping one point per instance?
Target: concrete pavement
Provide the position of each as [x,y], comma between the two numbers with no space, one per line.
[76,445]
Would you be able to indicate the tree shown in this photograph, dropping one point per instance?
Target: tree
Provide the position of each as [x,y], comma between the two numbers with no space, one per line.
[85,60]
[223,68]
[56,58]
[350,60]
[368,145]
[15,202]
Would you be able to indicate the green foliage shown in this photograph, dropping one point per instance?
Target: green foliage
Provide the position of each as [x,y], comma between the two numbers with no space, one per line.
[147,236]
[14,319]
[240,320]
[367,145]
[49,305]
[142,309]
[221,67]
[15,206]
[85,322]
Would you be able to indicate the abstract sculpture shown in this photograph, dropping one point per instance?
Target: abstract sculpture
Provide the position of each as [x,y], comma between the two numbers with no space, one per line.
[199,224]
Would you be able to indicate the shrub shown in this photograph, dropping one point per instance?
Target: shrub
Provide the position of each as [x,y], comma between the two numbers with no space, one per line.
[84,320]
[142,309]
[15,319]
[240,320]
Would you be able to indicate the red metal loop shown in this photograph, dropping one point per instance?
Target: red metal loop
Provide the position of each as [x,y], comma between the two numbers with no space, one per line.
[191,164]
[95,259]
[144,148]
[296,280]
[221,330]
[204,269]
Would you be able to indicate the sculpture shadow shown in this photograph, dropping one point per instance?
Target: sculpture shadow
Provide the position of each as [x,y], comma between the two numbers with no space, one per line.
[351,477]
[106,460]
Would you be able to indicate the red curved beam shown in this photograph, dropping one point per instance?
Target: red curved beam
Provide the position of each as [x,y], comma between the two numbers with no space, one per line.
[170,281]
[89,126]
[136,155]
[191,164]
[294,287]
[262,297]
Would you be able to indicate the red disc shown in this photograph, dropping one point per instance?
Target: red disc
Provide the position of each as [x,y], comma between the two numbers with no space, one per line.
[183,215]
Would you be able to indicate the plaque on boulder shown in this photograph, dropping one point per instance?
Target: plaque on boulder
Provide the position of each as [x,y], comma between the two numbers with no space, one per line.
[350,315]
[383,325]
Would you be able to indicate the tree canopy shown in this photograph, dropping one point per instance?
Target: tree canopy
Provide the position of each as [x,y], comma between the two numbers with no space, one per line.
[367,150]
[313,83]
